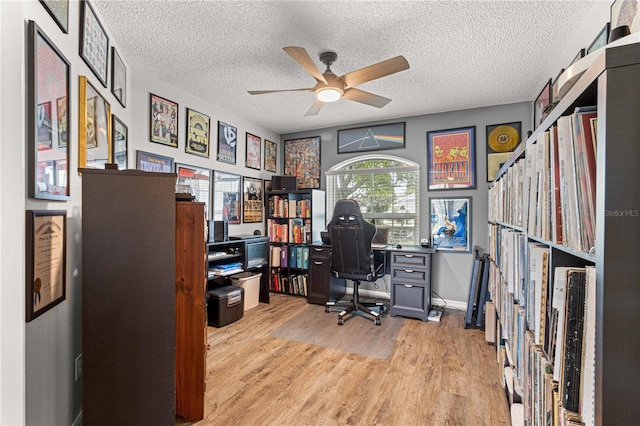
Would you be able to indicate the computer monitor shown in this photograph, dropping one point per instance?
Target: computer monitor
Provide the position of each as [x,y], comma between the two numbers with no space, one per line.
[381,237]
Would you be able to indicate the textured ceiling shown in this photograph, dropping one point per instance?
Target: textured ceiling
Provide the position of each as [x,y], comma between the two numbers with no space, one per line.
[462,54]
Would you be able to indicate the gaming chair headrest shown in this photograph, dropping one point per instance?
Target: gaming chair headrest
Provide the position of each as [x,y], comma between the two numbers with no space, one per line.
[347,207]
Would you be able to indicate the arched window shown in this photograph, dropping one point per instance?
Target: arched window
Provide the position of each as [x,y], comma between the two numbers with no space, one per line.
[387,189]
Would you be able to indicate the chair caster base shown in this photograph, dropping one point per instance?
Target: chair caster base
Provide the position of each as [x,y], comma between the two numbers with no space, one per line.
[377,321]
[340,321]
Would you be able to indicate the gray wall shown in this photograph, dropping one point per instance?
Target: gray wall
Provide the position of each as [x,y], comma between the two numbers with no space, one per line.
[452,271]
[36,359]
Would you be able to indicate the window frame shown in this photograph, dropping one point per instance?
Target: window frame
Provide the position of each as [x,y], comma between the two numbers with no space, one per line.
[332,174]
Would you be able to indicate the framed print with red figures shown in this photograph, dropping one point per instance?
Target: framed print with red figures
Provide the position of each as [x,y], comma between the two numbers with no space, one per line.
[451,158]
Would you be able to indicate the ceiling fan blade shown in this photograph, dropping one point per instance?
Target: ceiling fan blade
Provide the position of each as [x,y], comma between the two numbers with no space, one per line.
[262,92]
[366,98]
[315,108]
[381,69]
[300,55]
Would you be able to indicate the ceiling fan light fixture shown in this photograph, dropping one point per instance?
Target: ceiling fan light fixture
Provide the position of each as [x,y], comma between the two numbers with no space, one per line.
[328,94]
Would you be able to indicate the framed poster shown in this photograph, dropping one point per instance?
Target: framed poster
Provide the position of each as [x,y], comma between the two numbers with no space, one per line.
[270,156]
[227,197]
[451,224]
[371,138]
[600,40]
[148,162]
[541,102]
[451,158]
[94,127]
[227,143]
[198,125]
[48,73]
[59,11]
[253,201]
[119,142]
[163,121]
[94,43]
[555,95]
[253,151]
[302,159]
[502,140]
[196,181]
[46,244]
[625,12]
[118,77]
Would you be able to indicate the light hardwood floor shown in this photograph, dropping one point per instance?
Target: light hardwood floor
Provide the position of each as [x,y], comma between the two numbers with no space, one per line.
[437,374]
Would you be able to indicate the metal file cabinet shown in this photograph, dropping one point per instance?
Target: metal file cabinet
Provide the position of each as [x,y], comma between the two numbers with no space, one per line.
[410,284]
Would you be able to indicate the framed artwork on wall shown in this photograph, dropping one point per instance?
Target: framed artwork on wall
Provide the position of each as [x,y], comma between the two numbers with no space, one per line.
[227,197]
[118,77]
[541,102]
[302,159]
[196,181]
[270,156]
[253,202]
[94,127]
[46,260]
[451,224]
[372,138]
[119,142]
[502,140]
[163,121]
[59,11]
[625,12]
[198,125]
[48,87]
[253,148]
[227,143]
[451,158]
[94,43]
[149,162]
[600,40]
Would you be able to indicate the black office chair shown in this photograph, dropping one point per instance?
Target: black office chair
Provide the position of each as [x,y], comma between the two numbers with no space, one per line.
[352,257]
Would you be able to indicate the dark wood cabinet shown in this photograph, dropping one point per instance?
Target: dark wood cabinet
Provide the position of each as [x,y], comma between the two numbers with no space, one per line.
[128,297]
[323,287]
[191,323]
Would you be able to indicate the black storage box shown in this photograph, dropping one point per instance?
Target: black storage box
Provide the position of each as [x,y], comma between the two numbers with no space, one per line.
[283,183]
[224,305]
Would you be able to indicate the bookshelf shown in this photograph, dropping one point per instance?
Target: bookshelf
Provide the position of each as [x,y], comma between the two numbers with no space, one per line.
[526,284]
[247,254]
[294,222]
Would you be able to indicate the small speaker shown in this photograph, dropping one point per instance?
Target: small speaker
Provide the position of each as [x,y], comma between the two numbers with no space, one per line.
[283,183]
[218,230]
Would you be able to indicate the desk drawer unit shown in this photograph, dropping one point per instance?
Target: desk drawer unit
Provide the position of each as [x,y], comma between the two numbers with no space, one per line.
[322,286]
[410,284]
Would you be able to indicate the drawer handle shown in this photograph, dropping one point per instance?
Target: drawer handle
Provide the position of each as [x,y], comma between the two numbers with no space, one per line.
[315,262]
[410,271]
[407,285]
[318,249]
[408,255]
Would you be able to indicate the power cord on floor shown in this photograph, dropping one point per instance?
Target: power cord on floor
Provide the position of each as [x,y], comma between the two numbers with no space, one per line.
[439,308]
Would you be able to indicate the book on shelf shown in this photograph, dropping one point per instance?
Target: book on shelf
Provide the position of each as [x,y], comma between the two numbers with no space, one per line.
[276,256]
[284,256]
[293,257]
[571,369]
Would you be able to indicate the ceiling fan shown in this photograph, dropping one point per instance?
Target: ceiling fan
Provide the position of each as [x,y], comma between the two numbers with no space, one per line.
[330,87]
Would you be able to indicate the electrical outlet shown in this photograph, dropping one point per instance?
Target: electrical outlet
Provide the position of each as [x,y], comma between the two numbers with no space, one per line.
[78,367]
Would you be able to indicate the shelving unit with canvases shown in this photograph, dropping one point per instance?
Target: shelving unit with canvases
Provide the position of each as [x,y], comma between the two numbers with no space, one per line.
[564,224]
[294,221]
